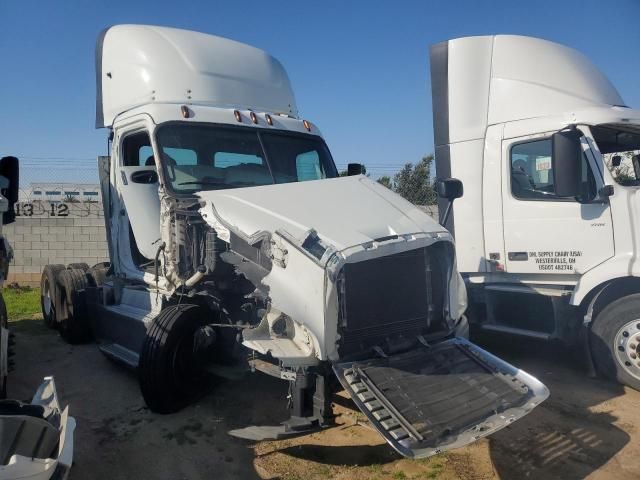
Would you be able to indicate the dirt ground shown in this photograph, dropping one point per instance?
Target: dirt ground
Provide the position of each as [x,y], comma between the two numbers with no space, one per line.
[587,429]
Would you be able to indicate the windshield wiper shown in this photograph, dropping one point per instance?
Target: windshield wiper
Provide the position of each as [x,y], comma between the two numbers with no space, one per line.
[204,182]
[221,184]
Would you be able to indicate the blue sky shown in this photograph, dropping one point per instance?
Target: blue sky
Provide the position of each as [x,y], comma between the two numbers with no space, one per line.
[359,68]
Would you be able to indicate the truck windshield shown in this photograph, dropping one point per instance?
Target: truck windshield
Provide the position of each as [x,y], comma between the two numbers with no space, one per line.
[210,157]
[620,148]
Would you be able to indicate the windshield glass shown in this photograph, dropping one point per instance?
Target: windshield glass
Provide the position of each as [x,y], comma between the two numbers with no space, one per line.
[211,157]
[620,148]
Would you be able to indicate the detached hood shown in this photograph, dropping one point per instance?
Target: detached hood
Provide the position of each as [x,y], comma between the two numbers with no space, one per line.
[344,211]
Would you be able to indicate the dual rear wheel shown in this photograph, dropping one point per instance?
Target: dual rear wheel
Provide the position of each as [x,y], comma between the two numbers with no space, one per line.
[62,304]
[171,366]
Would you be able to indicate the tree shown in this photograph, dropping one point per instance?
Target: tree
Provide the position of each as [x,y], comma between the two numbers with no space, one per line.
[622,170]
[386,181]
[414,182]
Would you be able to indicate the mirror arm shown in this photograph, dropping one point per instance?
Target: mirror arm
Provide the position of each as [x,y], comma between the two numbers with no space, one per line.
[445,217]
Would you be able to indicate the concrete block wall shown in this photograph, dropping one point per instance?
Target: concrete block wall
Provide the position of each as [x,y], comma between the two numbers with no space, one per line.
[39,240]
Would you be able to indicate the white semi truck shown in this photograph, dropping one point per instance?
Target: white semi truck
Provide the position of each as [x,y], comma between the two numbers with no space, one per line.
[548,227]
[233,241]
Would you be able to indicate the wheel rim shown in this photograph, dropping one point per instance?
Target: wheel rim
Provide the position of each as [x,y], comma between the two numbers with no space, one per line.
[47,304]
[627,347]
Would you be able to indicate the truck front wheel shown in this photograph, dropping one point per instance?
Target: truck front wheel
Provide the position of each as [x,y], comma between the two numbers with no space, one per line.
[170,371]
[615,341]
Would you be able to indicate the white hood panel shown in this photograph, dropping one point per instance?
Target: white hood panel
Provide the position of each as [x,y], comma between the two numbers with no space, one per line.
[344,211]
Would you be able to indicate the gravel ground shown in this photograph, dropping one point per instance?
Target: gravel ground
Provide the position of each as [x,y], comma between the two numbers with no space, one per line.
[587,428]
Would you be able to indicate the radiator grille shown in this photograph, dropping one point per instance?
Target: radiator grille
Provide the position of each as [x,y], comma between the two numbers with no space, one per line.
[385,297]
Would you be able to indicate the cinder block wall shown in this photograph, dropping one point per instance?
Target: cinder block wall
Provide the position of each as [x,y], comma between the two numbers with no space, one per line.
[40,239]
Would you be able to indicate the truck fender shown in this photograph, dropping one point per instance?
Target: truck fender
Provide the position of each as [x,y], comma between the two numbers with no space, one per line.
[600,276]
[608,292]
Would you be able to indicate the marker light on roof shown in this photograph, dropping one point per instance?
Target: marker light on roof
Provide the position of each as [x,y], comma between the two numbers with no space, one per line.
[269,119]
[185,111]
[254,118]
[307,125]
[237,114]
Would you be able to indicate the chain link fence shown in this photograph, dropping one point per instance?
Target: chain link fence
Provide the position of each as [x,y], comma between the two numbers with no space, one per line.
[58,188]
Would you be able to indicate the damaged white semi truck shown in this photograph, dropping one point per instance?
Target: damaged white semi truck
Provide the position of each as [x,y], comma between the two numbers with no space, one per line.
[548,227]
[233,240]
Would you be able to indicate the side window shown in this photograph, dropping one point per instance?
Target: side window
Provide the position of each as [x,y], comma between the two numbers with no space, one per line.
[136,150]
[532,173]
[146,156]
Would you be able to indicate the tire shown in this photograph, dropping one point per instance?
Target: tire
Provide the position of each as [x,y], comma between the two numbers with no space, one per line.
[170,376]
[97,276]
[615,341]
[75,326]
[5,348]
[50,293]
[79,266]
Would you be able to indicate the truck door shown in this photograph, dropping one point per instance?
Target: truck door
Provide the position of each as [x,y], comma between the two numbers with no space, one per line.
[137,181]
[544,233]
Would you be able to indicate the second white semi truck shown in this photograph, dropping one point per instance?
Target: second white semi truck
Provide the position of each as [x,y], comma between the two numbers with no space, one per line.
[548,228]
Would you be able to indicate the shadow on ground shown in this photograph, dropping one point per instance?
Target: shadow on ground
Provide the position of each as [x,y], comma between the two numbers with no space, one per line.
[344,455]
[586,425]
[569,436]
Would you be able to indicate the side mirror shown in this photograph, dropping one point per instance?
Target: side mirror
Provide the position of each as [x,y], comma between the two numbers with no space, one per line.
[10,169]
[566,161]
[355,169]
[449,189]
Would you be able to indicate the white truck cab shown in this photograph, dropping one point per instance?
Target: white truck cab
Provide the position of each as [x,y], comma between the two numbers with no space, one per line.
[233,241]
[548,227]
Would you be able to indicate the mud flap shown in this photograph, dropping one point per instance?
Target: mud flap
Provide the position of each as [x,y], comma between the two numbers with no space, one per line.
[439,397]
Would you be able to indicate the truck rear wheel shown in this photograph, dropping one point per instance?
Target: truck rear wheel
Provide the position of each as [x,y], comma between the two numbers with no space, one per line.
[170,374]
[97,275]
[615,341]
[79,266]
[49,292]
[74,326]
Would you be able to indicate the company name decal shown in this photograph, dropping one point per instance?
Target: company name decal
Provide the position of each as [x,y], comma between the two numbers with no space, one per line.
[555,260]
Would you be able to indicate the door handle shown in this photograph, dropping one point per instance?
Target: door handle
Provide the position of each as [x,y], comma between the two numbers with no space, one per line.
[518,256]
